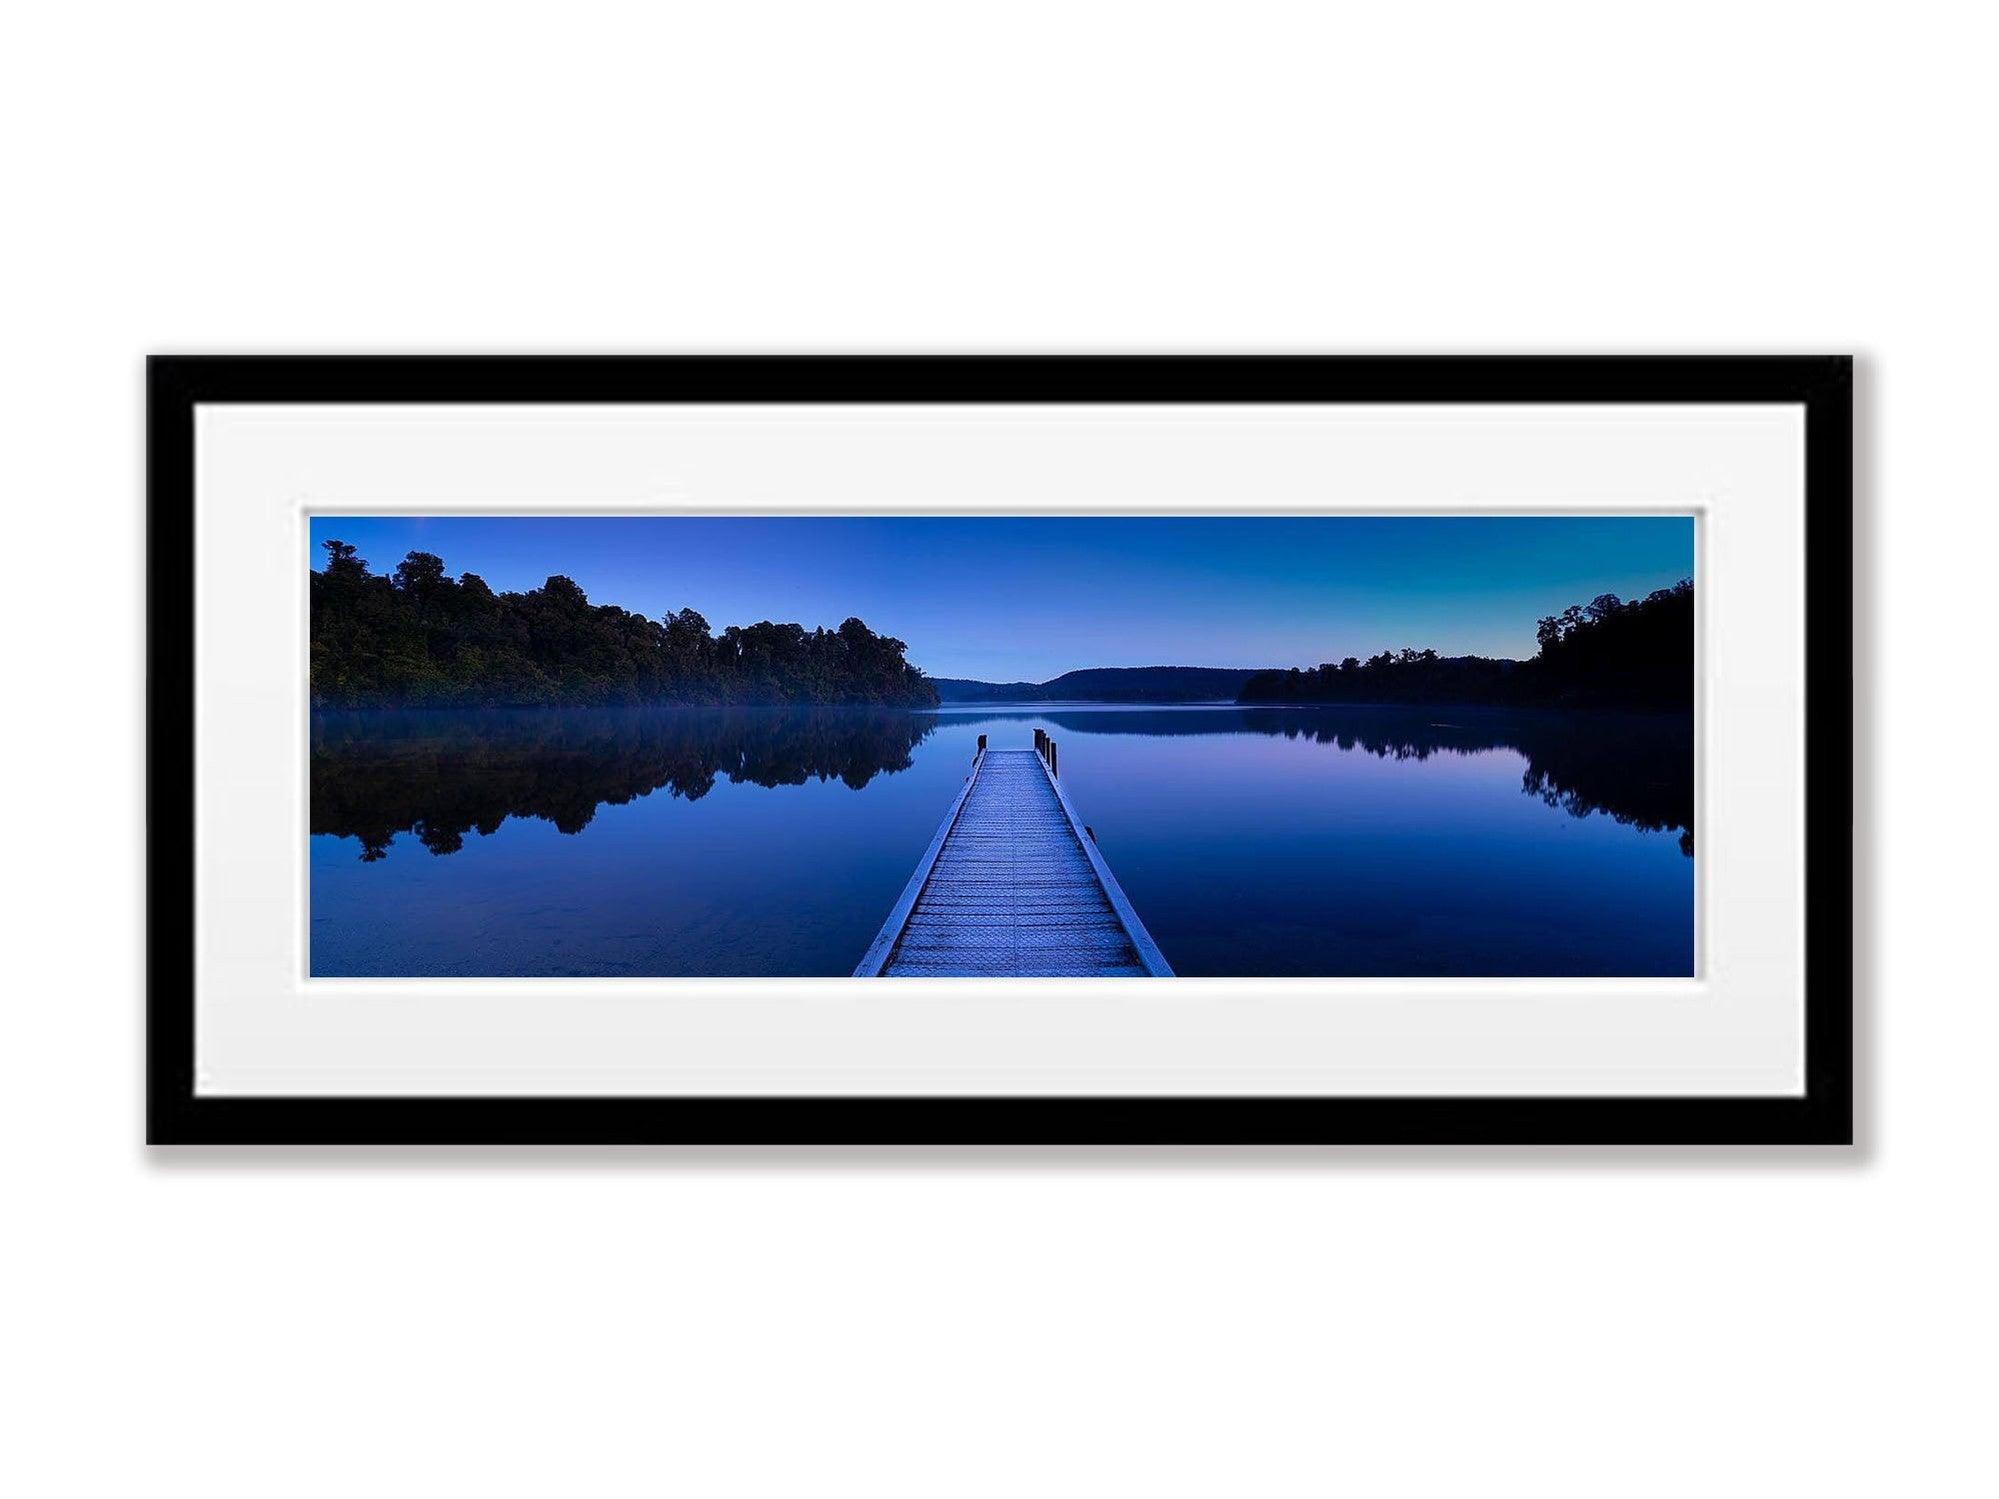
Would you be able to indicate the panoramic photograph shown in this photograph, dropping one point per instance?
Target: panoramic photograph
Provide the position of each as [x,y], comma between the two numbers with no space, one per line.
[1002,746]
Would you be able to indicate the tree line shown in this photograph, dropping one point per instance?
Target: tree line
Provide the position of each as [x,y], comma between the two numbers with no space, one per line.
[1610,652]
[420,638]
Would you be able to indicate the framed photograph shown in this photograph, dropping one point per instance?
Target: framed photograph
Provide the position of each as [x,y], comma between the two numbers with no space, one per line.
[1000,750]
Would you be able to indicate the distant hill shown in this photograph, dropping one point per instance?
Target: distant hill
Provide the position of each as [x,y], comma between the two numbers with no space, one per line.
[1106,684]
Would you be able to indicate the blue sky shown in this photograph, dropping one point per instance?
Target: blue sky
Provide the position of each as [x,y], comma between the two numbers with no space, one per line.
[1019,598]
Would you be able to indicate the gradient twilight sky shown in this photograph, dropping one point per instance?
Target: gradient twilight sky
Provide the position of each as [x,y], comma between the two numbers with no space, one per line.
[1026,598]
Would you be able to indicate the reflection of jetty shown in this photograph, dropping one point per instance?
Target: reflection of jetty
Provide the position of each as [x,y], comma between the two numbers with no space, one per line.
[1013,885]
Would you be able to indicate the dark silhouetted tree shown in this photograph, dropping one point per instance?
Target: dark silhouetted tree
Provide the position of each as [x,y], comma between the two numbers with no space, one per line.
[419,639]
[1606,653]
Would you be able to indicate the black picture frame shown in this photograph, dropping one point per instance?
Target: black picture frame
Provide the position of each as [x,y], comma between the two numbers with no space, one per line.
[1823,1114]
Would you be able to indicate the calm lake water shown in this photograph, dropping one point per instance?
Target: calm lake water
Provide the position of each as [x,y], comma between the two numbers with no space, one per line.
[1252,841]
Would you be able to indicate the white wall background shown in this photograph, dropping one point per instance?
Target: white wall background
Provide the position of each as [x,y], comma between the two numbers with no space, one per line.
[862,176]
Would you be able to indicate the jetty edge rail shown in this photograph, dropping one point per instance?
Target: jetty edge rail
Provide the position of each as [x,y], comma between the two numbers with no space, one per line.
[898,916]
[1013,885]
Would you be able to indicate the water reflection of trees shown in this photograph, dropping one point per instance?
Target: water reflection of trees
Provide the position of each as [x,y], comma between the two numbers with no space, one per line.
[1637,768]
[441,775]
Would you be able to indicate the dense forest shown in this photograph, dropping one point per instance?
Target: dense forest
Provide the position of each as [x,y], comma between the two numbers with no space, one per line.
[1606,653]
[421,638]
[1106,684]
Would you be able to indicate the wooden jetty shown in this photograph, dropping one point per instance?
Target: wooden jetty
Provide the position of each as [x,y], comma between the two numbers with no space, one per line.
[1013,885]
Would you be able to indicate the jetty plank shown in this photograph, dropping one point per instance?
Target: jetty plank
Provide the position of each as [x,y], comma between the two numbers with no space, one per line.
[1012,885]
